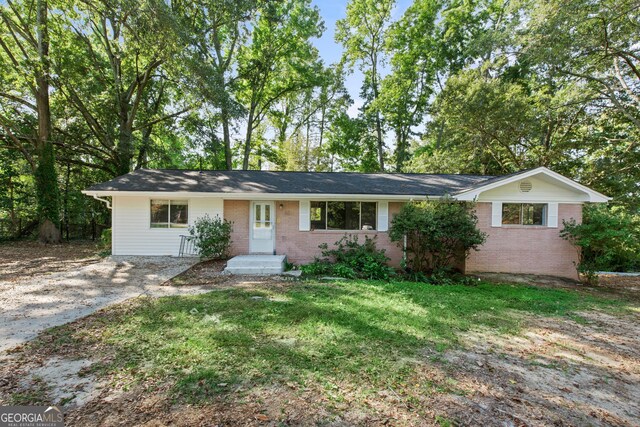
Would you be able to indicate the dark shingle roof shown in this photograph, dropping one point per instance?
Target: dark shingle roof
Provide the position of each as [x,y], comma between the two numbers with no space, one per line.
[172,180]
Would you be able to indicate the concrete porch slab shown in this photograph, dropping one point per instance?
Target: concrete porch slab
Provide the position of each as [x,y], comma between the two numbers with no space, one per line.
[256,264]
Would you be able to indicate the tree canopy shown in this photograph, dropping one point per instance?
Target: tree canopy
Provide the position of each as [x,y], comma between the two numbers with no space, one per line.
[94,89]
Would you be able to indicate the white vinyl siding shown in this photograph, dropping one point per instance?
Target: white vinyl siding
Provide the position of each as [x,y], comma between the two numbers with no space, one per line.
[133,235]
[542,191]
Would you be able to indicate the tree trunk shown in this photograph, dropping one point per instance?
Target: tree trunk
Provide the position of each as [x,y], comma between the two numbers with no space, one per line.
[226,135]
[380,142]
[124,150]
[143,154]
[322,117]
[307,148]
[401,150]
[45,173]
[65,214]
[247,141]
[374,83]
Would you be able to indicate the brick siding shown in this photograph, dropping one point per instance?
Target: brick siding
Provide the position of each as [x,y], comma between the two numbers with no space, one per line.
[512,249]
[301,247]
[522,249]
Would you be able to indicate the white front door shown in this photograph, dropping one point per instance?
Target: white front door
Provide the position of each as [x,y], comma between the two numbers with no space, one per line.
[262,227]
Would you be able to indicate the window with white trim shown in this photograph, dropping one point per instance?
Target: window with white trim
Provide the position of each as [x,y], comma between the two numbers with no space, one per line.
[169,213]
[343,215]
[524,214]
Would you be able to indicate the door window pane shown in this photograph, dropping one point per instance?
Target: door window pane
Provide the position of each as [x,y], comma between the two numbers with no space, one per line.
[159,213]
[267,216]
[368,215]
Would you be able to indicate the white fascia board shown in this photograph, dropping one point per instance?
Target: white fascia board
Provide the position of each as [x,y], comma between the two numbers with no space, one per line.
[261,196]
[473,194]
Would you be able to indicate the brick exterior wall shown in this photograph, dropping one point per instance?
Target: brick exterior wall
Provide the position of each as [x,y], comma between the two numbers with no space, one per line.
[518,249]
[301,247]
[509,249]
[237,211]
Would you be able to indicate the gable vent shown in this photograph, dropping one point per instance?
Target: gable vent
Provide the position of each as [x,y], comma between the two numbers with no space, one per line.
[525,186]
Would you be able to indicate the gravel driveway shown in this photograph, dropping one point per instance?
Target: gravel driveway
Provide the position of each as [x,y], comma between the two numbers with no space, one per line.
[31,304]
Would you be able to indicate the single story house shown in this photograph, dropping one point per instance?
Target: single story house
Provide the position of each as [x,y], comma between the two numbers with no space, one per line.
[291,213]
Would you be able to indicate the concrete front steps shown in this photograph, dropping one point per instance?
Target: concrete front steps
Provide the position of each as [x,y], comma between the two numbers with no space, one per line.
[262,265]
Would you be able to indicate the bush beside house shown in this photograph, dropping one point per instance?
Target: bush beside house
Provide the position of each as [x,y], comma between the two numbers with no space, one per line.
[352,260]
[607,240]
[212,237]
[439,234]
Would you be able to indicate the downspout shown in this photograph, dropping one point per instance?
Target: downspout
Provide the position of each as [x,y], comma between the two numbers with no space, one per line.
[105,201]
[404,252]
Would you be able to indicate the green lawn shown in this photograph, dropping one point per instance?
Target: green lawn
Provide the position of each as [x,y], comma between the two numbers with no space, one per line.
[358,333]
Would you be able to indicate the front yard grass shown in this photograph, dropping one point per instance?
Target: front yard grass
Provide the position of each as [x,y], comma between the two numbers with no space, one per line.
[361,335]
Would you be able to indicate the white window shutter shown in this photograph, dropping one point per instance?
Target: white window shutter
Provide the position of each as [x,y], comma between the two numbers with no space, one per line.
[552,215]
[304,215]
[383,216]
[496,214]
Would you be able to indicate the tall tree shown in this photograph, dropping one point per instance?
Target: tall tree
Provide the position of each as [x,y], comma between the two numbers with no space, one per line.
[279,60]
[594,42]
[415,62]
[215,30]
[109,56]
[27,49]
[362,33]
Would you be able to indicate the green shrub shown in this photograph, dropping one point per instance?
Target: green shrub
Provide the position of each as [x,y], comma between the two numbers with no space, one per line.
[438,233]
[212,236]
[317,268]
[607,240]
[442,278]
[105,242]
[105,238]
[351,259]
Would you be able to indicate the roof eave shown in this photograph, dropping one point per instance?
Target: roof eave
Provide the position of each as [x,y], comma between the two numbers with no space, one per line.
[260,196]
[473,193]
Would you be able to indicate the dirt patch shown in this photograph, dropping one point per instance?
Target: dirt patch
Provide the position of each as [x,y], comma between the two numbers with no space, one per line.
[529,279]
[203,273]
[558,371]
[614,280]
[25,259]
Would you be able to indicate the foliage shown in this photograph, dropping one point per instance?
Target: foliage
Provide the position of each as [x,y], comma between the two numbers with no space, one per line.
[362,33]
[445,87]
[105,242]
[438,233]
[212,236]
[351,259]
[608,239]
[279,60]
[443,277]
[47,190]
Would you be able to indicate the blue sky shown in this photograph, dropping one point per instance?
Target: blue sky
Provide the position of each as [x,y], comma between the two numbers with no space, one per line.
[331,11]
